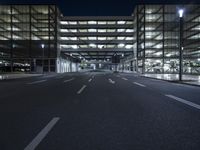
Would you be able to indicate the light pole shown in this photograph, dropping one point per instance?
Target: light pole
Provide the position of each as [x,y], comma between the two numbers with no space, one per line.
[181,15]
[43,46]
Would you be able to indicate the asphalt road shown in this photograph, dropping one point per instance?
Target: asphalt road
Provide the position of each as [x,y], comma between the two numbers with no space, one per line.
[98,111]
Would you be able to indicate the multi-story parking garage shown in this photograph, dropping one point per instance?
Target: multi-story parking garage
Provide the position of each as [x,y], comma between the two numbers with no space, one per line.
[158,38]
[39,38]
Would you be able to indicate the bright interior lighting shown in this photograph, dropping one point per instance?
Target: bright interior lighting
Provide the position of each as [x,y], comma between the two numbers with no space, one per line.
[128,46]
[92,45]
[121,22]
[121,45]
[64,22]
[92,22]
[64,38]
[42,45]
[181,13]
[75,46]
[92,30]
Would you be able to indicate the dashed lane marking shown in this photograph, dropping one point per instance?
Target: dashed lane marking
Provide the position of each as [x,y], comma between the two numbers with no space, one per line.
[36,82]
[81,90]
[69,80]
[139,84]
[36,141]
[184,101]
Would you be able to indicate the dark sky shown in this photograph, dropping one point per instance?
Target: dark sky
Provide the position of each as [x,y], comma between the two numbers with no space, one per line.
[97,7]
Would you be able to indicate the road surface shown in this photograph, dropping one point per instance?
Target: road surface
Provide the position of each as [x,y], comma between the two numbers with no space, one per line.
[98,111]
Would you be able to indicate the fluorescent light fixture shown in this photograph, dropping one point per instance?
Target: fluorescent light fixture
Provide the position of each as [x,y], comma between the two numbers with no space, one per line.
[64,22]
[74,46]
[121,45]
[121,22]
[92,30]
[92,22]
[64,38]
[129,30]
[158,53]
[64,30]
[128,46]
[92,45]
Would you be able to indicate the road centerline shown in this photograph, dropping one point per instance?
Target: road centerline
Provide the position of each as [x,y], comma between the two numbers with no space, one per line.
[81,90]
[42,134]
[184,101]
[139,84]
[39,81]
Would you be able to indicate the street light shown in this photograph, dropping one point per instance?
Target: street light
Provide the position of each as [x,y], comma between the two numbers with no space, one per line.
[181,15]
[43,46]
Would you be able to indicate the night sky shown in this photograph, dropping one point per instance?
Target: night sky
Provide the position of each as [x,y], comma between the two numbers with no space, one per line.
[97,7]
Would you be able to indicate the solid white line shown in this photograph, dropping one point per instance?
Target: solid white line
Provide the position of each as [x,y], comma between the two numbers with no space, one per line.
[36,141]
[90,80]
[139,84]
[111,81]
[184,101]
[125,79]
[35,82]
[81,90]
[68,80]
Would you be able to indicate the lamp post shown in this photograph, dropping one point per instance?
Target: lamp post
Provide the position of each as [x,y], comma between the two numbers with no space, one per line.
[43,46]
[181,14]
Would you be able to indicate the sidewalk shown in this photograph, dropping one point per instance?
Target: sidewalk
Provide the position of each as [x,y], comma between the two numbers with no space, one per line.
[187,79]
[16,76]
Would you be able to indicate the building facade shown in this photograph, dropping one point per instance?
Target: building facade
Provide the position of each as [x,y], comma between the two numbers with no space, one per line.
[158,38]
[28,37]
[38,38]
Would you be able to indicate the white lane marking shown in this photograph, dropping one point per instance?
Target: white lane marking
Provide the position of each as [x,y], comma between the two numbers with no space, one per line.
[35,82]
[111,81]
[184,101]
[139,84]
[68,80]
[36,141]
[125,79]
[81,90]
[60,77]
[90,80]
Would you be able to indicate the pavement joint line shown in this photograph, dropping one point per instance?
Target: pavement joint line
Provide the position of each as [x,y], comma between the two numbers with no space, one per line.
[111,81]
[136,83]
[90,80]
[81,90]
[68,80]
[42,134]
[125,79]
[35,82]
[184,101]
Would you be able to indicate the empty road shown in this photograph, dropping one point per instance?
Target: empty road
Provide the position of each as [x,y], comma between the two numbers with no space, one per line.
[98,111]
